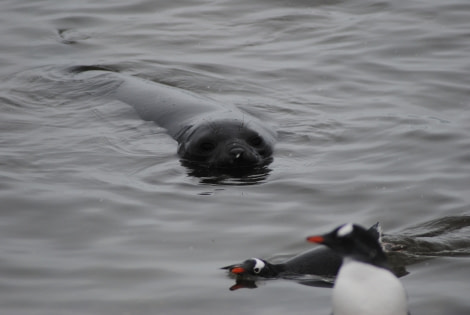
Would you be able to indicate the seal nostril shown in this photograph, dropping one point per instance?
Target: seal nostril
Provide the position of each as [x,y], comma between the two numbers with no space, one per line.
[237,153]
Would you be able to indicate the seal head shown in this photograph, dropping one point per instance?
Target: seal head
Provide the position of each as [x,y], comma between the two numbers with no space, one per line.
[226,143]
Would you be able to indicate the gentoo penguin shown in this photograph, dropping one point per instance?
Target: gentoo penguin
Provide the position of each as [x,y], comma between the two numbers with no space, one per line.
[320,261]
[364,285]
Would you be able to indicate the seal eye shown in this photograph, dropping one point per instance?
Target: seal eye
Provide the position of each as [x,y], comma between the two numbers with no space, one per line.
[207,146]
[256,140]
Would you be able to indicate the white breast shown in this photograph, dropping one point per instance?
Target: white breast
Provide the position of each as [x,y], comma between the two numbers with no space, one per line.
[364,289]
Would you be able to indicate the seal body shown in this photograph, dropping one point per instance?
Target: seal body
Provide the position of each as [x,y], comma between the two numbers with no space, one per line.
[208,133]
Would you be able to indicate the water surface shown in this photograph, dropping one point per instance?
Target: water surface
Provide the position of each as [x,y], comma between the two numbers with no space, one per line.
[98,216]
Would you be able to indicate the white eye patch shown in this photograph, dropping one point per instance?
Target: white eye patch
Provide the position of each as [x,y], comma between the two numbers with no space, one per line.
[259,265]
[345,230]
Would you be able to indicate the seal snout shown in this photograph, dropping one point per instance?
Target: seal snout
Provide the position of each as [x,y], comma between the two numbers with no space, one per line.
[240,154]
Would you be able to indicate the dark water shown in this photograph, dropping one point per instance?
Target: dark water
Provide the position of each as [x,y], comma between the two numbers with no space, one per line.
[371,100]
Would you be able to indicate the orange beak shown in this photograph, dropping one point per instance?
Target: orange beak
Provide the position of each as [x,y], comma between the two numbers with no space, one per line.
[316,239]
[237,270]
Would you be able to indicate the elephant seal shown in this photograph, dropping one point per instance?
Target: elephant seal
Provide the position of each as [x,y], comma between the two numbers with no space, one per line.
[209,134]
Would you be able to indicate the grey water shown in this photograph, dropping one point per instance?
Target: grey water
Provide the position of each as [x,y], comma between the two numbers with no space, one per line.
[98,216]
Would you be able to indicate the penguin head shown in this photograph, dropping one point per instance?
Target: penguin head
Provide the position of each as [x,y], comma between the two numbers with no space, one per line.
[354,241]
[253,267]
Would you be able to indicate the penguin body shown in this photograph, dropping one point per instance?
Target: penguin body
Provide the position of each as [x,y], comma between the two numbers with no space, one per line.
[364,285]
[318,261]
